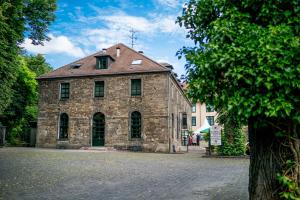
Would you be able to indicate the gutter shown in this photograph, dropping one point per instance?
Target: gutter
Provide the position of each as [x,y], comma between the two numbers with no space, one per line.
[168,93]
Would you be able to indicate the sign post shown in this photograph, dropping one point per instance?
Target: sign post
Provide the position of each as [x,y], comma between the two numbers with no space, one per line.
[215,137]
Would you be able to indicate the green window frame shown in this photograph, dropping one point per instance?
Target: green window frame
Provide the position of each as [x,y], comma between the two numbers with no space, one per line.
[99,89]
[136,124]
[194,121]
[64,91]
[63,126]
[136,89]
[211,120]
[102,63]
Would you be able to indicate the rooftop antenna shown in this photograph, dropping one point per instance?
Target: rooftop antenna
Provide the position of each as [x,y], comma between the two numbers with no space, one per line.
[133,37]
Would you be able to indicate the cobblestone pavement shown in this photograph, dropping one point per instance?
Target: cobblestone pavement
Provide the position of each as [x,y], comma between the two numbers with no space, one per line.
[28,173]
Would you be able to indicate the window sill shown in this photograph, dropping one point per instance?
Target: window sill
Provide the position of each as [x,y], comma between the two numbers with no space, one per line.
[63,139]
[135,139]
[137,96]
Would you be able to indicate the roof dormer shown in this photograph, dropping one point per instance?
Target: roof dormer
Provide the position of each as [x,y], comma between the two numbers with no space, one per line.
[103,61]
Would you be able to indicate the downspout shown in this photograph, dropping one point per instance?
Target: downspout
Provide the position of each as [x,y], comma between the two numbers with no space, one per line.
[168,93]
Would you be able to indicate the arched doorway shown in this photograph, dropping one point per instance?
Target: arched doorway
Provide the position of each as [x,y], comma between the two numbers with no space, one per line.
[98,129]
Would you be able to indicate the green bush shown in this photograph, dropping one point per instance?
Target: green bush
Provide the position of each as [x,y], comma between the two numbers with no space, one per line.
[233,142]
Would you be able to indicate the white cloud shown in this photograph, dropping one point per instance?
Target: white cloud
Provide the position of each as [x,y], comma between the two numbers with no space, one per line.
[126,22]
[156,24]
[59,44]
[169,3]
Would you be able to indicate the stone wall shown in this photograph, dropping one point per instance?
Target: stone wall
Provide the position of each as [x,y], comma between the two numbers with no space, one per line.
[116,105]
[178,104]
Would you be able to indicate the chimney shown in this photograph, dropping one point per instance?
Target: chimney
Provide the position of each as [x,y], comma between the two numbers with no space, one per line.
[141,52]
[104,50]
[118,52]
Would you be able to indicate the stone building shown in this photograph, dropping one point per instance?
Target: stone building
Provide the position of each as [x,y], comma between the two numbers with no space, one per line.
[202,112]
[114,98]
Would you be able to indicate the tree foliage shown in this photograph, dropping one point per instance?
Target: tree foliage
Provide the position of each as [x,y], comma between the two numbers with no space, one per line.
[23,107]
[233,136]
[20,18]
[246,61]
[246,57]
[37,64]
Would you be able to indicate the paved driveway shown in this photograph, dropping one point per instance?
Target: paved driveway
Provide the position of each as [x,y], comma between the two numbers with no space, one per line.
[28,173]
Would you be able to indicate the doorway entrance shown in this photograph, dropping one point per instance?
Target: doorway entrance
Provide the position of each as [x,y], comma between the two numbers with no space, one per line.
[98,129]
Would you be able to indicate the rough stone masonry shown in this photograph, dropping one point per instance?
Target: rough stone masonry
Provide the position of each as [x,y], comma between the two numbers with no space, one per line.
[162,103]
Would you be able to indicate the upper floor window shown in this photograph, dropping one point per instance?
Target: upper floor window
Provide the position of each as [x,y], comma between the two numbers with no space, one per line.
[211,120]
[102,63]
[136,124]
[64,91]
[99,89]
[209,108]
[193,121]
[63,126]
[194,108]
[136,87]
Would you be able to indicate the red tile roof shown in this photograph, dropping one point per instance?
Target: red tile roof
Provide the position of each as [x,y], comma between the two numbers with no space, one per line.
[121,64]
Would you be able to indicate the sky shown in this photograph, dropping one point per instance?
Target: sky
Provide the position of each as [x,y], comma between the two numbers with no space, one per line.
[85,27]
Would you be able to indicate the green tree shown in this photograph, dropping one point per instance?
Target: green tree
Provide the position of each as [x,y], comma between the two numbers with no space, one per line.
[17,19]
[246,61]
[23,107]
[233,136]
[38,64]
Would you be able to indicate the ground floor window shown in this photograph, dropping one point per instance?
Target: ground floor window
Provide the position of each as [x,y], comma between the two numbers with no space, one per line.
[63,127]
[136,124]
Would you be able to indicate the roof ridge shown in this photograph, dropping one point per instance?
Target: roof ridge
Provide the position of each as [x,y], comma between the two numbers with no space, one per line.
[152,64]
[143,56]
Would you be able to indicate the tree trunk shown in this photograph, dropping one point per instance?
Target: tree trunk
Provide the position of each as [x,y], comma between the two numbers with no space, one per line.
[267,158]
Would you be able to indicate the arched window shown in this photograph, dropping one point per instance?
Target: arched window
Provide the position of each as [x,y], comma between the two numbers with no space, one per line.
[63,126]
[98,130]
[136,124]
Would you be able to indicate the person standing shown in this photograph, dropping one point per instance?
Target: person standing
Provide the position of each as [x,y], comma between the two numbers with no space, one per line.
[194,139]
[190,140]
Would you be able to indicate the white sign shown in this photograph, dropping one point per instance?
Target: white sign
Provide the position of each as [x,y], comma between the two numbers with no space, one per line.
[215,135]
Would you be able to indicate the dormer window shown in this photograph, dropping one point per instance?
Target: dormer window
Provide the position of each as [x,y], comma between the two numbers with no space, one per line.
[75,65]
[102,62]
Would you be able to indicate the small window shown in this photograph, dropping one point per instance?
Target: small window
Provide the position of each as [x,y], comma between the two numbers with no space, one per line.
[209,108]
[64,91]
[194,108]
[210,120]
[63,126]
[99,89]
[136,87]
[136,62]
[193,121]
[75,66]
[102,63]
[136,124]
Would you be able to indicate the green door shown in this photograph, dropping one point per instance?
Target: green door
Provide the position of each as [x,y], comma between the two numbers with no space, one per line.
[98,130]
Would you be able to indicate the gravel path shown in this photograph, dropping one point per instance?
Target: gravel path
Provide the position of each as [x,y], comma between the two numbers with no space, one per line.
[28,173]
